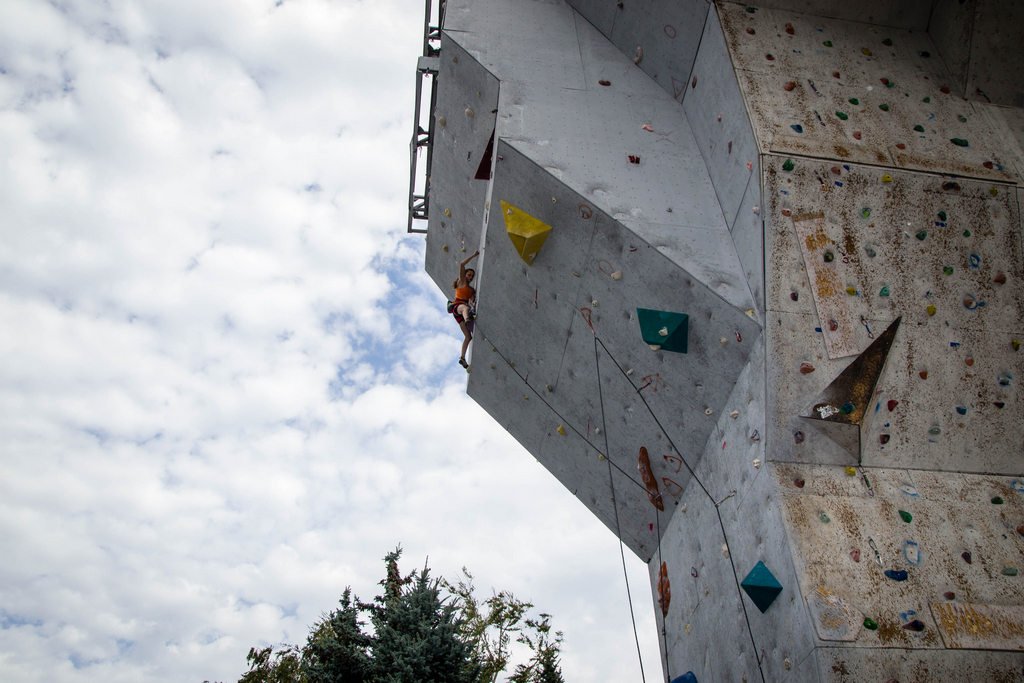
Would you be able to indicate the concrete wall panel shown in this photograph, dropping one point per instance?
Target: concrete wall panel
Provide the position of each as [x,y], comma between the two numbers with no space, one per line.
[717,115]
[1007,125]
[459,145]
[997,57]
[950,28]
[908,14]
[748,240]
[798,105]
[599,13]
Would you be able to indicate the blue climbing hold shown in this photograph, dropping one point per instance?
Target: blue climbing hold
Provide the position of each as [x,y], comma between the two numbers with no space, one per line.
[896,574]
[797,127]
[962,410]
[975,260]
[687,677]
[762,586]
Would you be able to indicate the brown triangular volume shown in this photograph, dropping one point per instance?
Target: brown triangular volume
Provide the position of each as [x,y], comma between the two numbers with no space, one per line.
[847,398]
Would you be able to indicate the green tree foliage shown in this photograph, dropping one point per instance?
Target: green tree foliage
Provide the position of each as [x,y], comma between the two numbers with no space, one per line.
[424,630]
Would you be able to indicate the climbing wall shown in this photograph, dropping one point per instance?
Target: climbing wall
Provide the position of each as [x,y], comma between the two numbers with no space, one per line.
[463,124]
[856,93]
[566,327]
[946,257]
[919,560]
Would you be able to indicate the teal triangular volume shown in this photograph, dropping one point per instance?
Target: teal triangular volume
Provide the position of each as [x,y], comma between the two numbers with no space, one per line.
[676,327]
[762,586]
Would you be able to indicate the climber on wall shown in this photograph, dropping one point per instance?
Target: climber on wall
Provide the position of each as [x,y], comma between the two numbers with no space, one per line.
[464,306]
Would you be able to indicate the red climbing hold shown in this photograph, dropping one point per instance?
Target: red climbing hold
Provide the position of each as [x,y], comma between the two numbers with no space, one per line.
[915,625]
[789,29]
[949,595]
[799,483]
[856,135]
[923,374]
[883,438]
[1020,530]
[750,31]
[835,74]
[789,86]
[1000,279]
[693,83]
[836,170]
[855,554]
[787,213]
[805,368]
[987,164]
[900,145]
[966,556]
[944,90]
[769,57]
[969,360]
[891,405]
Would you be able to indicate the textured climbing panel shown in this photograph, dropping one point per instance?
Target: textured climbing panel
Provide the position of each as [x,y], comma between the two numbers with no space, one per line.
[526,232]
[857,93]
[943,255]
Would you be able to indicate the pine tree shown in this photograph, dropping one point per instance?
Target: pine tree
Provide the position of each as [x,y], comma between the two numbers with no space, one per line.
[336,649]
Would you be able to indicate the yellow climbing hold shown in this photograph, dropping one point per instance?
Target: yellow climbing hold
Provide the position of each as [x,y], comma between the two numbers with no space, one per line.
[852,291]
[1015,344]
[850,471]
[448,212]
[994,192]
[886,178]
[445,247]
[526,232]
[601,457]
[561,430]
[931,310]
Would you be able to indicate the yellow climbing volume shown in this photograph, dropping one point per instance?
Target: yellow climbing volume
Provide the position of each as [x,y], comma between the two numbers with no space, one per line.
[526,232]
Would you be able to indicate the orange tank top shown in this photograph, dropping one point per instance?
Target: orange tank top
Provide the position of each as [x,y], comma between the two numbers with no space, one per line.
[464,293]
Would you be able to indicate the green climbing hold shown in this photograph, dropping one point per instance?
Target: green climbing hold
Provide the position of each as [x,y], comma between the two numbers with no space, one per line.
[997,501]
[906,516]
[824,518]
[846,409]
[762,586]
[927,99]
[884,292]
[788,165]
[854,100]
[841,116]
[827,43]
[887,42]
[934,431]
[664,329]
[963,119]
[942,215]
[865,212]
[829,257]
[967,233]
[959,142]
[921,235]
[883,107]
[948,270]
[870,624]
[890,84]
[1010,571]
[919,128]
[751,9]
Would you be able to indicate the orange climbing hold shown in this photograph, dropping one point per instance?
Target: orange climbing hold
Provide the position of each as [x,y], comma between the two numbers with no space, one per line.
[664,590]
[644,465]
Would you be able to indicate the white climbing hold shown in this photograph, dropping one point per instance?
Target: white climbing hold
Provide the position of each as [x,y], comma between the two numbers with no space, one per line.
[549,388]
[655,347]
[663,332]
[575,274]
[734,414]
[469,113]
[725,550]
[757,463]
[723,341]
[639,55]
[682,508]
[442,122]
[708,411]
[785,663]
[629,372]
[617,275]
[491,367]
[757,210]
[597,430]
[594,302]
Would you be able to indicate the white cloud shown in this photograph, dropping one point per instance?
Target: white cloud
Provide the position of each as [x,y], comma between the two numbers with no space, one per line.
[226,387]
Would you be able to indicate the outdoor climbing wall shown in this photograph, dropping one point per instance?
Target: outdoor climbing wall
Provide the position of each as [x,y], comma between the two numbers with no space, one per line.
[811,209]
[856,93]
[907,559]
[463,123]
[567,325]
[944,255]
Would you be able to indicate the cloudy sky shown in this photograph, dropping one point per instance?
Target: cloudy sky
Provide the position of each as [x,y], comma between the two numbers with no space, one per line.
[227,388]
